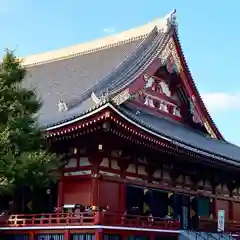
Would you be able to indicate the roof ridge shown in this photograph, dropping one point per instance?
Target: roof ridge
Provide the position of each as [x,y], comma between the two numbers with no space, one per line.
[86,94]
[127,36]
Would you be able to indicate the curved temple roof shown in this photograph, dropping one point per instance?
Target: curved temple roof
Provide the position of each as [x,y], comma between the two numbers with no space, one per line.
[105,67]
[131,35]
[70,74]
[184,136]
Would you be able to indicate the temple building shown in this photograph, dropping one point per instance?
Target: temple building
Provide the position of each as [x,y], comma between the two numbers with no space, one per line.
[144,158]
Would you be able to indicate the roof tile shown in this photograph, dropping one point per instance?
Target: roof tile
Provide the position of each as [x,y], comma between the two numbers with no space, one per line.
[67,79]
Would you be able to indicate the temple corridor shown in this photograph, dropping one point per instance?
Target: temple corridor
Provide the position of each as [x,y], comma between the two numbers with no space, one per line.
[168,205]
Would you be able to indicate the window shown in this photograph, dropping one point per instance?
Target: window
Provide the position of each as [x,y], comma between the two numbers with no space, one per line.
[112,237]
[83,236]
[49,237]
[137,238]
[16,237]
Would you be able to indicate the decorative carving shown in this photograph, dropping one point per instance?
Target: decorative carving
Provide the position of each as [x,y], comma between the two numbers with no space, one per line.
[165,89]
[166,179]
[157,175]
[209,129]
[225,190]
[171,67]
[145,76]
[135,178]
[62,106]
[235,192]
[72,163]
[176,111]
[170,21]
[105,163]
[163,106]
[193,111]
[142,170]
[122,97]
[131,168]
[78,173]
[200,185]
[208,186]
[218,189]
[114,164]
[149,83]
[157,102]
[169,53]
[110,174]
[84,161]
[95,99]
[149,102]
[188,182]
[180,181]
[163,100]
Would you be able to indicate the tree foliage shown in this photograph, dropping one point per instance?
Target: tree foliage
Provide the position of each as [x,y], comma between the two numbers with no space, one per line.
[24,158]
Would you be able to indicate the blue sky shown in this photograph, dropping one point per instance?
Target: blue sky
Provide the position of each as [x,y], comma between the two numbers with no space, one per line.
[209,33]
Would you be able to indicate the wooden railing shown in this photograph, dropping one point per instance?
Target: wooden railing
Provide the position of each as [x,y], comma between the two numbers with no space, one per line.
[210,225]
[95,218]
[139,221]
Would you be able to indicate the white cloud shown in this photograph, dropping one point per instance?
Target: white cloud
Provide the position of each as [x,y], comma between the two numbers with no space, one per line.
[109,30]
[221,102]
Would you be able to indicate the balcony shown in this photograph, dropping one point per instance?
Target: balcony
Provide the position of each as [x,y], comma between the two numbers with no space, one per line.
[210,225]
[86,219]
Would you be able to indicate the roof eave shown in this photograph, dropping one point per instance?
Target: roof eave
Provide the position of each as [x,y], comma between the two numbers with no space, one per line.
[197,94]
[145,129]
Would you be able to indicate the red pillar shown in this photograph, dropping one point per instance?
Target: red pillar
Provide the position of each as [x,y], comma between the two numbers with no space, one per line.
[60,193]
[95,192]
[230,210]
[152,236]
[31,236]
[123,197]
[99,234]
[213,208]
[66,235]
[124,236]
[95,160]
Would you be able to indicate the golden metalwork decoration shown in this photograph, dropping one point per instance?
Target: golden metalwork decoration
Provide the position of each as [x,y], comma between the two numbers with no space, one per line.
[209,129]
[170,50]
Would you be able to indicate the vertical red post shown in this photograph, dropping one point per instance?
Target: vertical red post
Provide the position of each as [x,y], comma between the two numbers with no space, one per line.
[213,208]
[95,160]
[31,236]
[124,236]
[99,234]
[66,235]
[123,197]
[60,193]
[230,210]
[95,192]
[152,236]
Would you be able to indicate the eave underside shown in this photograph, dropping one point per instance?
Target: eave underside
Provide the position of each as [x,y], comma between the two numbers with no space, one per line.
[73,80]
[182,134]
[164,129]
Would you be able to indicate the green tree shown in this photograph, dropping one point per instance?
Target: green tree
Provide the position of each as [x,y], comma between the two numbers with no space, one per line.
[24,159]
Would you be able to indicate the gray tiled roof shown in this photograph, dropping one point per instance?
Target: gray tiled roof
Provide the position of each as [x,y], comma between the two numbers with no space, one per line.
[67,79]
[182,133]
[73,80]
[107,65]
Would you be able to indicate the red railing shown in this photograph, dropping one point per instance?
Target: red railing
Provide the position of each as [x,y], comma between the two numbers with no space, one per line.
[95,218]
[139,221]
[210,225]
